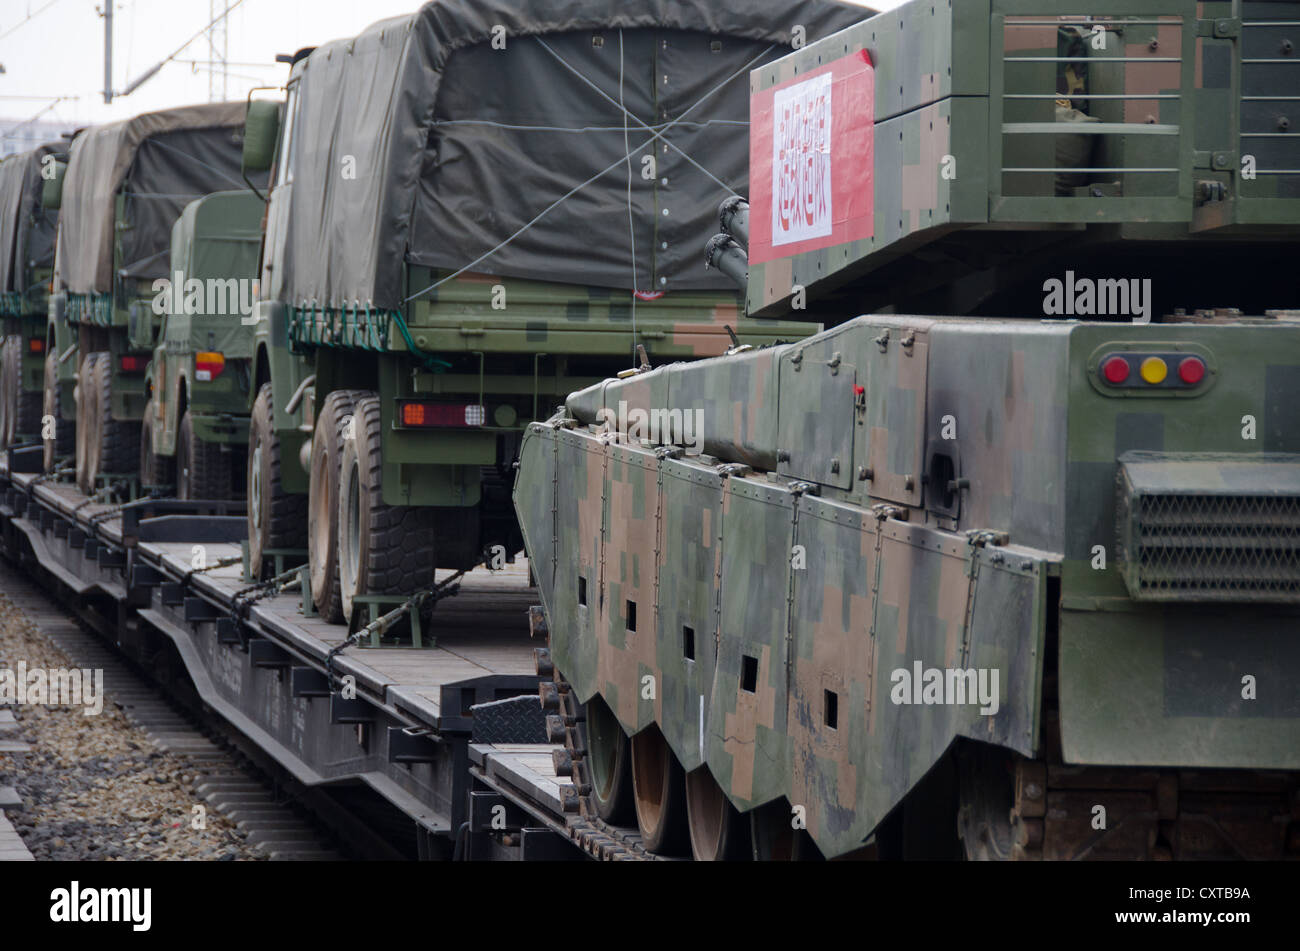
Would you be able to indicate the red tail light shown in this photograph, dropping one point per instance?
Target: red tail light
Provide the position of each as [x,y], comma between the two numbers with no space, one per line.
[36,345]
[133,364]
[208,366]
[423,413]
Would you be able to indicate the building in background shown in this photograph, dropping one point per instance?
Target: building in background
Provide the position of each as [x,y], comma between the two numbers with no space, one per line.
[19,135]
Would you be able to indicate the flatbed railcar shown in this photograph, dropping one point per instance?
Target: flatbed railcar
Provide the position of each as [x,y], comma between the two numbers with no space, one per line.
[426,752]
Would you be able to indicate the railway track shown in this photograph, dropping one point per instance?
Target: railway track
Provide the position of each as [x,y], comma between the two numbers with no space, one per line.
[226,782]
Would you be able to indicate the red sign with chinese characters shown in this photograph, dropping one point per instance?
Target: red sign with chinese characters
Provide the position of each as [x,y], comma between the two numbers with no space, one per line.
[811,160]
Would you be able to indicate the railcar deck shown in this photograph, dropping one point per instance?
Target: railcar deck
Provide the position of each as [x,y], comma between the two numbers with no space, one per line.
[402,730]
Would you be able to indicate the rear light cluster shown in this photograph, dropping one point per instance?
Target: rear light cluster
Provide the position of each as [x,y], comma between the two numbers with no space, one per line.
[1148,370]
[208,366]
[36,345]
[425,413]
[130,364]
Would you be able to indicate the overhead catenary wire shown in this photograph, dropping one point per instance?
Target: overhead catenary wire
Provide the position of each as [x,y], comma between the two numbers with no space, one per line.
[27,19]
[153,70]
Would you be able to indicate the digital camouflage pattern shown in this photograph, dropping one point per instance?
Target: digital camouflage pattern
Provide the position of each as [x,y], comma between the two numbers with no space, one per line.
[962,140]
[963,493]
[888,575]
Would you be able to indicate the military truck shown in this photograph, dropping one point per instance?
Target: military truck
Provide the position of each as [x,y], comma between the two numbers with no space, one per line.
[506,205]
[126,184]
[199,382]
[27,230]
[1006,564]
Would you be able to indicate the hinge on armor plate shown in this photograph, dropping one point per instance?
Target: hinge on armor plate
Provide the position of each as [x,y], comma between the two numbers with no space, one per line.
[564,423]
[734,469]
[669,452]
[883,340]
[883,510]
[908,341]
[1222,28]
[804,488]
[980,537]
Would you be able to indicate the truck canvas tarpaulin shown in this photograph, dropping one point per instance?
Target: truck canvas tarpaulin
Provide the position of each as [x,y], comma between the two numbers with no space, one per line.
[26,229]
[159,162]
[422,141]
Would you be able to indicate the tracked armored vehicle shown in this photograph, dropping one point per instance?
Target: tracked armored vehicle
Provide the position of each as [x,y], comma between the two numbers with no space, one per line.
[1018,578]
[125,186]
[27,231]
[501,214]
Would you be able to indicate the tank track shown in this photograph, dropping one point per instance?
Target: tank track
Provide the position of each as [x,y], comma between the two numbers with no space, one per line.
[1163,814]
[1152,813]
[566,722]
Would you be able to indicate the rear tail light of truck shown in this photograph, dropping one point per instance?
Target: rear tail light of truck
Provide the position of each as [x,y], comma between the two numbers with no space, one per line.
[208,366]
[36,345]
[1137,370]
[422,414]
[133,364]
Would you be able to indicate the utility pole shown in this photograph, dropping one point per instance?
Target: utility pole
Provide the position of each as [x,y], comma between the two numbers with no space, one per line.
[107,14]
[218,49]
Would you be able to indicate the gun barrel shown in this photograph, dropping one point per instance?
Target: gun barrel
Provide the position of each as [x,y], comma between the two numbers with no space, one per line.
[730,258]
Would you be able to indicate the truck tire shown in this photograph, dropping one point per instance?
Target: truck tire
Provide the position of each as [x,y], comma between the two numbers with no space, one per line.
[382,549]
[61,443]
[155,471]
[20,411]
[323,503]
[85,393]
[111,446]
[276,519]
[202,468]
[10,387]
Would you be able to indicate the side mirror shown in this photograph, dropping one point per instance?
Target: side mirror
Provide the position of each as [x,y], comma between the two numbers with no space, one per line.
[52,187]
[261,129]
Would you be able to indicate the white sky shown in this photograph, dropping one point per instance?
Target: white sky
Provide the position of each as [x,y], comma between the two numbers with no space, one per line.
[59,51]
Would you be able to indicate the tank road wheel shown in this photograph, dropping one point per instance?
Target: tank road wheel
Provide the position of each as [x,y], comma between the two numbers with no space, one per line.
[382,549]
[323,503]
[155,471]
[660,794]
[108,445]
[202,469]
[718,831]
[987,794]
[775,839]
[609,764]
[276,519]
[62,443]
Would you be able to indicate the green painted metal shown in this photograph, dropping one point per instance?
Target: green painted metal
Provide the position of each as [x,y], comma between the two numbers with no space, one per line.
[969,492]
[215,242]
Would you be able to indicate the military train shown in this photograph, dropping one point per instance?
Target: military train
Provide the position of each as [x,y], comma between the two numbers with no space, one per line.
[945,503]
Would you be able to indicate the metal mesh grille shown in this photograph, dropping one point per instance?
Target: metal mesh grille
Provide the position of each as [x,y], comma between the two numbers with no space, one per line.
[1216,547]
